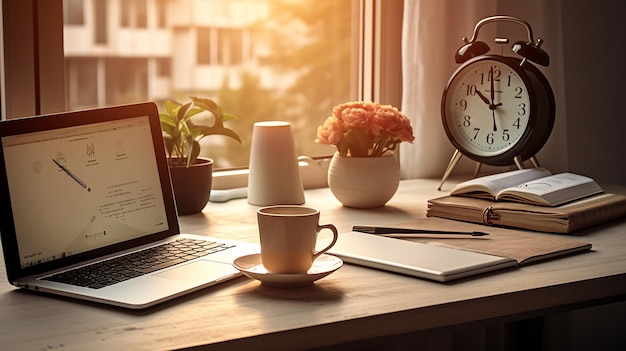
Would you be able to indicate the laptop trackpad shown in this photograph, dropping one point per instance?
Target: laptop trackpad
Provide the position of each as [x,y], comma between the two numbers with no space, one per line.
[199,271]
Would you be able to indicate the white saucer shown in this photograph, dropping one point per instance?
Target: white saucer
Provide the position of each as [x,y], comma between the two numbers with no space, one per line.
[251,266]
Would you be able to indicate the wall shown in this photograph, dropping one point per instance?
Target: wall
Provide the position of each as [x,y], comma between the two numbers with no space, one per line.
[594,73]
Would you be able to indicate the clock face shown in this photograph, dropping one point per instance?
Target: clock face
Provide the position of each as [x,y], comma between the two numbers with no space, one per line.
[487,107]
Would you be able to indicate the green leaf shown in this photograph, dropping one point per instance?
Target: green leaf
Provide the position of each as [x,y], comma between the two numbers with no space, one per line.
[228,117]
[357,142]
[182,112]
[205,103]
[221,131]
[190,113]
[181,135]
[194,152]
[172,108]
[167,119]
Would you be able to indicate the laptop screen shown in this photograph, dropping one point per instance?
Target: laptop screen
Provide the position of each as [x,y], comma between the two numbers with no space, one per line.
[79,188]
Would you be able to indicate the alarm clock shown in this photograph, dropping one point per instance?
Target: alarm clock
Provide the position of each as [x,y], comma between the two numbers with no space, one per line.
[498,110]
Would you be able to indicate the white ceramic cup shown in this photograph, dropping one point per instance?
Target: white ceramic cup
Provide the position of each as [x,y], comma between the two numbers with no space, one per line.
[288,235]
[274,174]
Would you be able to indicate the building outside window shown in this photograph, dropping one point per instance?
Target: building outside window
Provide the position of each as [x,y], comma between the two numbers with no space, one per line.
[260,59]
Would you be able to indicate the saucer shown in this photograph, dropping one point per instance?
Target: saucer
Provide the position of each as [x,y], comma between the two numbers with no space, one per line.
[251,266]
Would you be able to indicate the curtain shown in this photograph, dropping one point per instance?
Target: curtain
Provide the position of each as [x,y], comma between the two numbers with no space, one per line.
[432,33]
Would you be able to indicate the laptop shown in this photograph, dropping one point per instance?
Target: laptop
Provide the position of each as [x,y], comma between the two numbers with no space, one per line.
[90,188]
[436,263]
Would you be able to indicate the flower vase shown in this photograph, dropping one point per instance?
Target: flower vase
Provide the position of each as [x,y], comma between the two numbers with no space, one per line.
[363,182]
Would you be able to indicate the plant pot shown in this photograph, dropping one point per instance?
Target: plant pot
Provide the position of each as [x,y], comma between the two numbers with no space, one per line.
[192,185]
[363,182]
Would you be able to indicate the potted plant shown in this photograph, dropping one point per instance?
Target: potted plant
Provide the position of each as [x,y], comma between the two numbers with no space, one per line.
[364,172]
[182,131]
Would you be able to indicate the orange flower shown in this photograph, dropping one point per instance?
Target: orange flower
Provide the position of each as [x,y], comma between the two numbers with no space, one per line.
[365,129]
[331,132]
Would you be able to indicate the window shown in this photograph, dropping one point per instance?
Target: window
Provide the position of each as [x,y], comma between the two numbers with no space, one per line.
[100,18]
[73,12]
[230,46]
[203,46]
[161,13]
[266,61]
[220,56]
[133,13]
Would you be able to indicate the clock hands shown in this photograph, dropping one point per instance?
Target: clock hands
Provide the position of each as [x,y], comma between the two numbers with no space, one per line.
[492,106]
[491,79]
[486,101]
[483,97]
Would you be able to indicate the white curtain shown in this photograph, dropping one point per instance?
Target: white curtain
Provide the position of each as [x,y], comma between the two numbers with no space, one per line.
[432,33]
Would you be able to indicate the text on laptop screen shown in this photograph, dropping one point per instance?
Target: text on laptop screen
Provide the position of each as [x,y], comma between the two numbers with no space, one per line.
[80,188]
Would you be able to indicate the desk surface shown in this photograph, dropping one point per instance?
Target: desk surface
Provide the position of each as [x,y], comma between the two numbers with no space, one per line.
[351,304]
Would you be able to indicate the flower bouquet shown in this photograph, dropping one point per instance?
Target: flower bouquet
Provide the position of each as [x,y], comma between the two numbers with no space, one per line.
[364,173]
[365,129]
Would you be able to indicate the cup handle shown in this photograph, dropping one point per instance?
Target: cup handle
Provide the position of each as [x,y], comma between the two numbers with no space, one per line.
[335,237]
[311,162]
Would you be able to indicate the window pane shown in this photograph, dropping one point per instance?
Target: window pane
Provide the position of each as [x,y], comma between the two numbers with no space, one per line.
[73,12]
[100,19]
[259,59]
[203,46]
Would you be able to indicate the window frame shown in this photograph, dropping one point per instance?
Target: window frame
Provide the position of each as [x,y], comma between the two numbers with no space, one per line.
[32,60]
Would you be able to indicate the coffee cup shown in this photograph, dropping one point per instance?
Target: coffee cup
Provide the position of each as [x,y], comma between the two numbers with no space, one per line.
[288,235]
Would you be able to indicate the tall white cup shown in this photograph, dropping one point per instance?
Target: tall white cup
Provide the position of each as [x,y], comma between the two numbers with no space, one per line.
[274,174]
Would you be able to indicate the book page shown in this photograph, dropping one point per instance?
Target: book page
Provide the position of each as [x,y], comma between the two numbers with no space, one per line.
[494,184]
[552,183]
[552,190]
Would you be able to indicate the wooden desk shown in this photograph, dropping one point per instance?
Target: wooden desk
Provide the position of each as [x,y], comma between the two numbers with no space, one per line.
[351,304]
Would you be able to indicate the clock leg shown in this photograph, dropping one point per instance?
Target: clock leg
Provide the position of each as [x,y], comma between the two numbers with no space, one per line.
[477,169]
[453,161]
[518,162]
[534,161]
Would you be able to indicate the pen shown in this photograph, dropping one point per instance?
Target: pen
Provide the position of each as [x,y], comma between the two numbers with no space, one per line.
[72,175]
[389,230]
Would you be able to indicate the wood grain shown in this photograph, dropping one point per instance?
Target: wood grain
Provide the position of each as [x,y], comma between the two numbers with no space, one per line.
[351,304]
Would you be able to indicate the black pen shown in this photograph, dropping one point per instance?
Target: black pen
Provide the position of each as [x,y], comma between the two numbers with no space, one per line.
[389,230]
[72,175]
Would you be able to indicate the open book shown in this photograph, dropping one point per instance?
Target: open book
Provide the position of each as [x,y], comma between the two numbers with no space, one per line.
[536,186]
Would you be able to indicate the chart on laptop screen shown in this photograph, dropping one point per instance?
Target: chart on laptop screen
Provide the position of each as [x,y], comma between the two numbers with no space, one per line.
[79,188]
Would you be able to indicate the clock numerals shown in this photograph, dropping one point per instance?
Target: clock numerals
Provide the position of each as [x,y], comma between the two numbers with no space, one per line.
[463,105]
[466,121]
[471,90]
[493,75]
[505,135]
[522,109]
[490,137]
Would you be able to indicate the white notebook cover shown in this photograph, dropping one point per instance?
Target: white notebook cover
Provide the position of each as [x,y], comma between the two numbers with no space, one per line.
[416,259]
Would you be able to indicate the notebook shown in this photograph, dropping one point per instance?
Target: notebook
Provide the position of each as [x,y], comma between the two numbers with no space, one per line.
[437,263]
[90,186]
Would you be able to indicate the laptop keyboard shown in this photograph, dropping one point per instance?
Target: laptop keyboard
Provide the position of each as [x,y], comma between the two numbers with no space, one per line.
[109,272]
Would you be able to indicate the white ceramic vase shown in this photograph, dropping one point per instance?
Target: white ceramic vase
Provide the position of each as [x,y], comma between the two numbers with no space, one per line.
[363,182]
